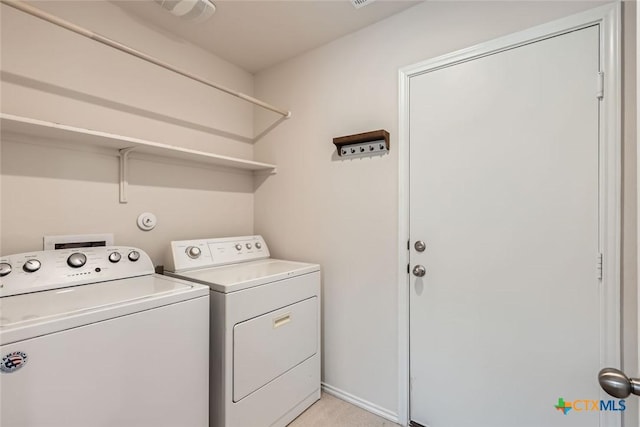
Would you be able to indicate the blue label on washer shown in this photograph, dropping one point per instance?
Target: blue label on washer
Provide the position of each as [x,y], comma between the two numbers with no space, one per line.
[13,361]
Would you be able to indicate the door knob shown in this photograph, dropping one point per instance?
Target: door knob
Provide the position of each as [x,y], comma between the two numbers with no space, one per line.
[420,246]
[617,384]
[419,271]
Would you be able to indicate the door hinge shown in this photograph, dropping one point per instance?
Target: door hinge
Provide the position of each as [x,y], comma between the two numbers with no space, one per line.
[408,244]
[600,265]
[408,269]
[600,88]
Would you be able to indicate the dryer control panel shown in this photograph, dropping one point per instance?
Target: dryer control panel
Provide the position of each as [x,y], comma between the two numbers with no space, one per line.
[203,253]
[53,269]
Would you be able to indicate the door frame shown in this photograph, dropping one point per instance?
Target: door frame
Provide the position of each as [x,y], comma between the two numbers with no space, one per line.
[608,17]
[638,181]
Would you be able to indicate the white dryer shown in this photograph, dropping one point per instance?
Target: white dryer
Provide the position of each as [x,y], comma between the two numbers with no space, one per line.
[265,329]
[92,337]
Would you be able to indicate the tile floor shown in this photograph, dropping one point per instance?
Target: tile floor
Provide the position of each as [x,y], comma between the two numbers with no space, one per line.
[330,411]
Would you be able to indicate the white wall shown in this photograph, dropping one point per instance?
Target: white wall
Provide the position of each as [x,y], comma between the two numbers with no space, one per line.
[52,74]
[343,213]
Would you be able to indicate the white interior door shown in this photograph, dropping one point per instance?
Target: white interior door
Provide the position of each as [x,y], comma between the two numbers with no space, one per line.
[504,191]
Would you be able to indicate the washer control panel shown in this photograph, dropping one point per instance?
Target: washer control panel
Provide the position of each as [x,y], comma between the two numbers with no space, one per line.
[193,254]
[53,269]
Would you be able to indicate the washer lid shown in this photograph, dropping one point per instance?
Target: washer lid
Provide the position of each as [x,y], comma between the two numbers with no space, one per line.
[27,315]
[235,277]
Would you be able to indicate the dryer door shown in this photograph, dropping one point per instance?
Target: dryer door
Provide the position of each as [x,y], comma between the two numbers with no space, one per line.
[267,346]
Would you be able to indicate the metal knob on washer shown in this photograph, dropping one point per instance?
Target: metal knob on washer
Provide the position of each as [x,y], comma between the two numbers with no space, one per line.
[32,265]
[76,260]
[115,257]
[134,256]
[5,268]
[193,252]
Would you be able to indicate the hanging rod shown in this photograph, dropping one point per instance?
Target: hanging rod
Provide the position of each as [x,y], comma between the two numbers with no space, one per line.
[27,8]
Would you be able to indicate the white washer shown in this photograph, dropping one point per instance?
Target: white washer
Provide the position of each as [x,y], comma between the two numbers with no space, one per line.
[92,337]
[265,329]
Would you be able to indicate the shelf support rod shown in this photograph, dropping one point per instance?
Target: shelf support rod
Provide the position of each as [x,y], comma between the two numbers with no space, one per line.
[124,172]
[38,13]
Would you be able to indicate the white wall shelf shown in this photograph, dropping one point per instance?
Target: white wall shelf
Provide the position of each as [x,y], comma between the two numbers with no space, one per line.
[40,129]
[49,130]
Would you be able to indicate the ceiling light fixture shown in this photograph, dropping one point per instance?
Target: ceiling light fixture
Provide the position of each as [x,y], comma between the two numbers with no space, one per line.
[192,10]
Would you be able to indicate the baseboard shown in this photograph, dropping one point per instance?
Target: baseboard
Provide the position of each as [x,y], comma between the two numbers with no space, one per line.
[361,403]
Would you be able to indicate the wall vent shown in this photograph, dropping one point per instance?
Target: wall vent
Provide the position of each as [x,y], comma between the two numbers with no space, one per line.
[360,3]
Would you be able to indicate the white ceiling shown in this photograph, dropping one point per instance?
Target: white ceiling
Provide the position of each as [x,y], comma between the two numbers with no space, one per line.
[258,34]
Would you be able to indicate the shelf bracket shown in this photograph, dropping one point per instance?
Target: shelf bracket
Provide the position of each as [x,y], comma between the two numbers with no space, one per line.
[124,169]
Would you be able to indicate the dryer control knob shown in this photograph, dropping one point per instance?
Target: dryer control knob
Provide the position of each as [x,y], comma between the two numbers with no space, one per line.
[32,265]
[134,256]
[115,257]
[238,247]
[5,268]
[76,260]
[258,245]
[193,252]
[248,245]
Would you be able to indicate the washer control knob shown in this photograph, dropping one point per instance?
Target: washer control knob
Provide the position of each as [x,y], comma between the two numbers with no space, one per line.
[238,247]
[76,260]
[32,265]
[258,245]
[193,252]
[5,268]
[248,245]
[115,257]
[134,256]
